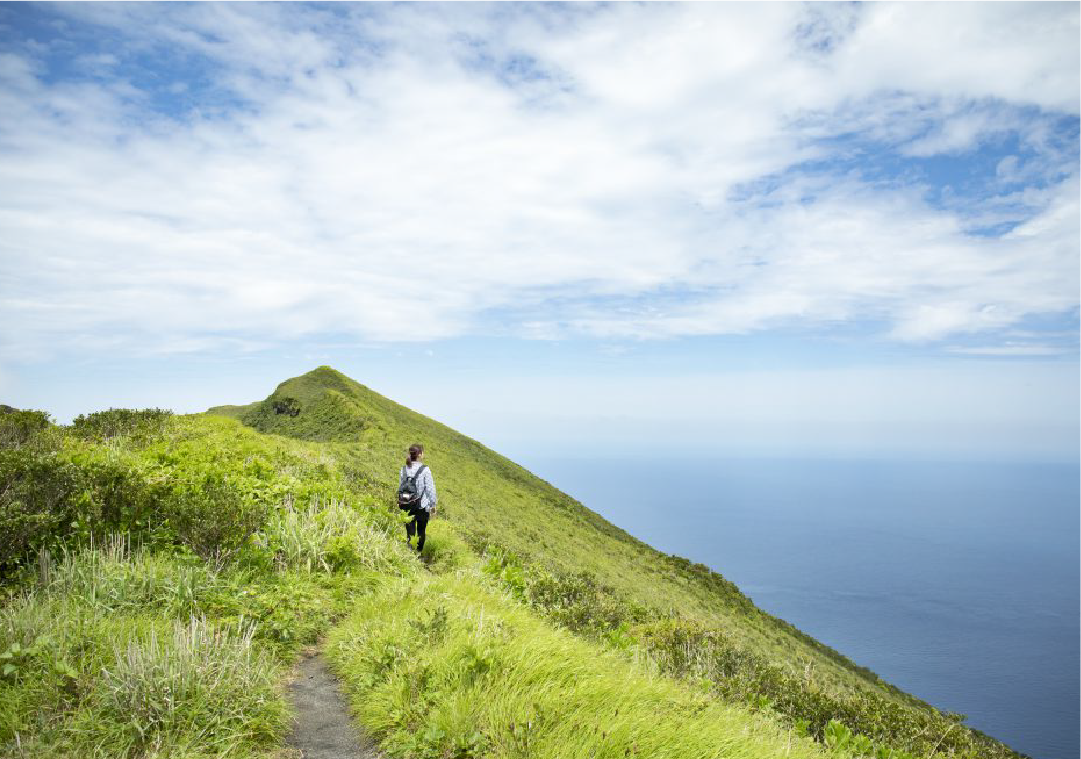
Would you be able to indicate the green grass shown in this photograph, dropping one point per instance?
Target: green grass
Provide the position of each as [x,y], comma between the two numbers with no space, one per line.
[530,627]
[142,646]
[491,499]
[443,667]
[113,656]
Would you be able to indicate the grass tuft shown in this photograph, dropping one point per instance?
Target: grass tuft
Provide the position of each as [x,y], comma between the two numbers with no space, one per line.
[328,537]
[202,683]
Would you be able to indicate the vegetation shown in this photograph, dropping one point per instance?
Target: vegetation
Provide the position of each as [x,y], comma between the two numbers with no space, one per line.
[163,572]
[442,667]
[700,653]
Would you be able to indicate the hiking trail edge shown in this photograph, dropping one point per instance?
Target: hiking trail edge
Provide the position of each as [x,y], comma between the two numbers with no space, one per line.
[324,729]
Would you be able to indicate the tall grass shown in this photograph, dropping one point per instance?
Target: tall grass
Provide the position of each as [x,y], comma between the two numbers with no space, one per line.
[110,652]
[114,576]
[328,536]
[442,668]
[701,653]
[179,648]
[201,684]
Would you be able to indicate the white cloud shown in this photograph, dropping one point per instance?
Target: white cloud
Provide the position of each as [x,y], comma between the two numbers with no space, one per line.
[405,195]
[1015,51]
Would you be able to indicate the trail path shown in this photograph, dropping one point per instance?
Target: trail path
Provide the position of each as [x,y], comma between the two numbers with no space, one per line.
[324,728]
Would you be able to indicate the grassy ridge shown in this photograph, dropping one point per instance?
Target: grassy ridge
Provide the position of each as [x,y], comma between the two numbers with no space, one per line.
[537,646]
[490,498]
[494,503]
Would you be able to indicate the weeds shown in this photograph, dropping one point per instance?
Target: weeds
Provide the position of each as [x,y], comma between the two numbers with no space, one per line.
[327,537]
[202,684]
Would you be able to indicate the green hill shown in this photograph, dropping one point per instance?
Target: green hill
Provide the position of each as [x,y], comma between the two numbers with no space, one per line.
[492,500]
[532,627]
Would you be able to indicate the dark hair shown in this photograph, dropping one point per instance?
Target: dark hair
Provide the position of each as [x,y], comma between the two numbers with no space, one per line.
[414,450]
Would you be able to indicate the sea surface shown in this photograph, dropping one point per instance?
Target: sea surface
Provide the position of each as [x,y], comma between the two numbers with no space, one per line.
[957,582]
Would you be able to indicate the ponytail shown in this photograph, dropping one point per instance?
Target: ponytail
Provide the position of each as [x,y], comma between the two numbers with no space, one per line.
[414,450]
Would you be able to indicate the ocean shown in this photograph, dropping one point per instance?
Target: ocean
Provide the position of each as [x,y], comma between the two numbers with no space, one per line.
[957,582]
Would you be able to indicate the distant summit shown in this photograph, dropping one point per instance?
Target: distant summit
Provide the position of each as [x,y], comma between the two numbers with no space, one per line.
[323,405]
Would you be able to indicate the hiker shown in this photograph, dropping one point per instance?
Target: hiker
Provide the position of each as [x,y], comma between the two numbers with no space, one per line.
[416,494]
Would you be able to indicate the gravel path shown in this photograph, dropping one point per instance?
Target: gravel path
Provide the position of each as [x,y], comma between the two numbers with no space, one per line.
[324,728]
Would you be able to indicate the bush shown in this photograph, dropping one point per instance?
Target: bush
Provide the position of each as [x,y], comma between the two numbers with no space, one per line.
[36,502]
[211,516]
[18,428]
[287,406]
[853,722]
[47,499]
[144,424]
[573,600]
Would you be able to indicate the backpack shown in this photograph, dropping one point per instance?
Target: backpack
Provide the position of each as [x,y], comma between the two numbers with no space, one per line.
[408,493]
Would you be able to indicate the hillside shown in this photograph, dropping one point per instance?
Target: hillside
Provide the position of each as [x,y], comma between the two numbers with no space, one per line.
[162,574]
[498,506]
[493,501]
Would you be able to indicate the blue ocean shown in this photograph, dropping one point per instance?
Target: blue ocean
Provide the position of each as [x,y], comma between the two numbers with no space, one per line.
[957,582]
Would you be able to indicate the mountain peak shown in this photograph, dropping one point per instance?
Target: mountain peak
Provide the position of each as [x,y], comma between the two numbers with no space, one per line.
[320,405]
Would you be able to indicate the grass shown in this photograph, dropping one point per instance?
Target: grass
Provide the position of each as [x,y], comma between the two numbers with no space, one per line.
[531,626]
[443,667]
[200,684]
[106,668]
[111,650]
[490,498]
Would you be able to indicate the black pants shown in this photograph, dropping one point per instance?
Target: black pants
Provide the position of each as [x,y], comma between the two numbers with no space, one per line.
[417,525]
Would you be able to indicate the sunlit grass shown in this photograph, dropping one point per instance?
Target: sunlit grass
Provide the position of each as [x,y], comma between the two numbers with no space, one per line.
[528,627]
[442,667]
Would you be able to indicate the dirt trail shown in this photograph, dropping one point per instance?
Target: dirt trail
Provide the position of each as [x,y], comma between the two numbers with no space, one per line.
[324,728]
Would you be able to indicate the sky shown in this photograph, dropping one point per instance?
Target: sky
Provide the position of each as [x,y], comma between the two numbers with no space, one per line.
[763,228]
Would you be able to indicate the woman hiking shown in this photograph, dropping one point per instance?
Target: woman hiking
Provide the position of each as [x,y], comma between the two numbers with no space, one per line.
[422,505]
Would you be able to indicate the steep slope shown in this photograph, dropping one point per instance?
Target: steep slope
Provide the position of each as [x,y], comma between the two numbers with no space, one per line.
[490,499]
[189,540]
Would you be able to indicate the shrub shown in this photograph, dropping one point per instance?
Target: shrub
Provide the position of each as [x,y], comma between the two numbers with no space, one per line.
[573,600]
[856,723]
[36,501]
[211,516]
[17,428]
[49,499]
[141,424]
[287,406]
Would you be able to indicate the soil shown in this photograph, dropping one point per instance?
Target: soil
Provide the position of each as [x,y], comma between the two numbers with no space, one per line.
[324,729]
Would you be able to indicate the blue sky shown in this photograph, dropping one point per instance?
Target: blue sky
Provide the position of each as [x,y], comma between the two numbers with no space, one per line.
[837,229]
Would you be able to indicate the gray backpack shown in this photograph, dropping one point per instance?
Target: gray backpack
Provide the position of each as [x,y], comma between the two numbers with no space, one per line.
[409,494]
